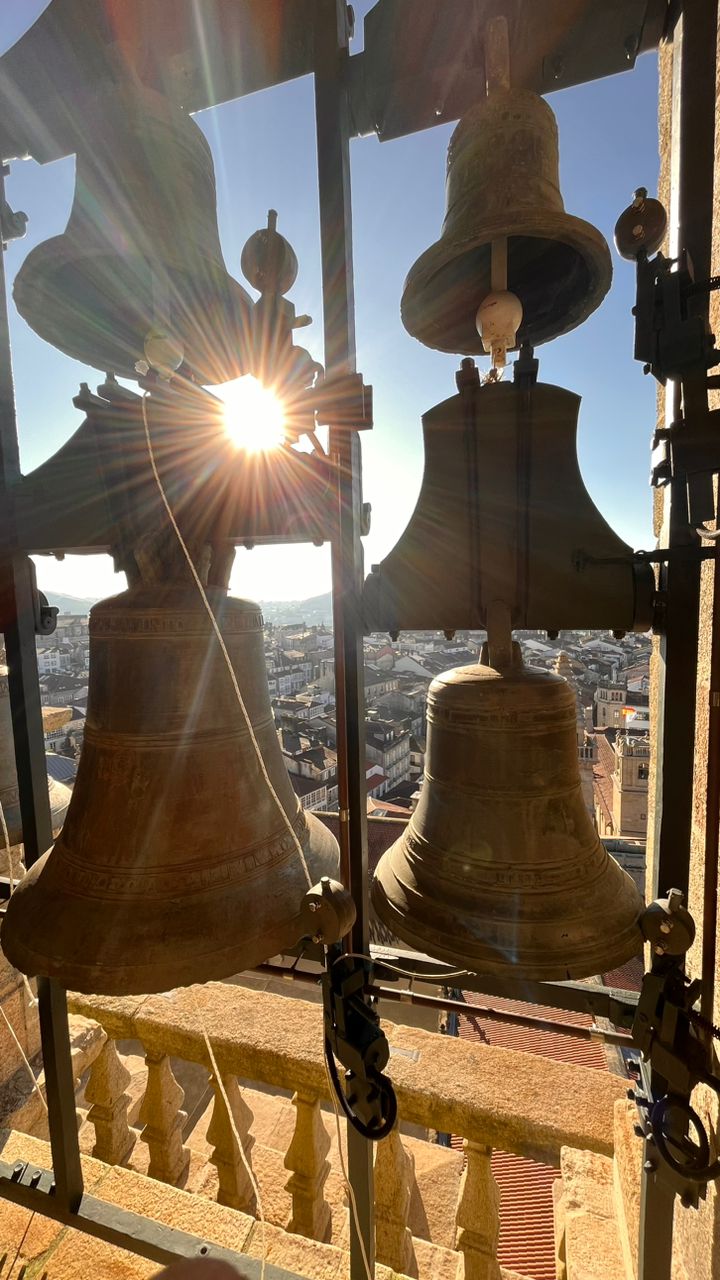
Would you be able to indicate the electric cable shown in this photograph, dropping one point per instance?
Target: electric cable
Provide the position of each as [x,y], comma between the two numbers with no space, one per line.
[373,1134]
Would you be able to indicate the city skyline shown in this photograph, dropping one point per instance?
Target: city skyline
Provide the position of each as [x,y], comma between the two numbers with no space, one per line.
[264,152]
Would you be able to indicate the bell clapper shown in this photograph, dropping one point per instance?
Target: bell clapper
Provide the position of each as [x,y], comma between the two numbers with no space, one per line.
[163,353]
[500,313]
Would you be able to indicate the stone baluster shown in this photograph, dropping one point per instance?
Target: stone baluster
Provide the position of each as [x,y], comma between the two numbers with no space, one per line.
[105,1089]
[394,1177]
[163,1122]
[235,1186]
[305,1158]
[478,1216]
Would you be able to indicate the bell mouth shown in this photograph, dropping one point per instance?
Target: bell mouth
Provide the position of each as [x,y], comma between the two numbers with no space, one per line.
[448,932]
[558,265]
[143,945]
[100,311]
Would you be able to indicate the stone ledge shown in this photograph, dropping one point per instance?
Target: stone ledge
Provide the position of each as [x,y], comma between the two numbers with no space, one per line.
[48,1249]
[505,1098]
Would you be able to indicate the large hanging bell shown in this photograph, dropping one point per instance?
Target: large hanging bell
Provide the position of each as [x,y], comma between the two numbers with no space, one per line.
[141,253]
[177,863]
[500,869]
[503,181]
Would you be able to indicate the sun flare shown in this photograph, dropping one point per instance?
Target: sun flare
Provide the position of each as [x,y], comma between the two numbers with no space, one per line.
[254,416]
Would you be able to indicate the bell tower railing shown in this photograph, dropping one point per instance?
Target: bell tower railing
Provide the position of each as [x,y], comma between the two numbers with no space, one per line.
[492,1098]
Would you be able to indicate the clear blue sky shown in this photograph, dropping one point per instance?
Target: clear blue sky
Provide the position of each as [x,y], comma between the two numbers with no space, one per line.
[264,150]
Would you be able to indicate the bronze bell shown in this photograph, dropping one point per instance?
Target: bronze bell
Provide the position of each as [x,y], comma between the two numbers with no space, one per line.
[503,513]
[59,795]
[141,252]
[175,864]
[500,868]
[503,181]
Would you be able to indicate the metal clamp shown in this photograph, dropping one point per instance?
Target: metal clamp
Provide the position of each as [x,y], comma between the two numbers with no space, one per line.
[44,614]
[675,1041]
[353,1035]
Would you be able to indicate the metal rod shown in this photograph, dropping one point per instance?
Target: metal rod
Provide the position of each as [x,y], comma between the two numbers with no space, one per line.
[422,1001]
[31,1186]
[29,741]
[499,1015]
[332,115]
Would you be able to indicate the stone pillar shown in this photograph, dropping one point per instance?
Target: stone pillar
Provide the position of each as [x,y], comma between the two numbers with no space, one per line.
[163,1122]
[305,1157]
[394,1177]
[478,1216]
[108,1114]
[235,1186]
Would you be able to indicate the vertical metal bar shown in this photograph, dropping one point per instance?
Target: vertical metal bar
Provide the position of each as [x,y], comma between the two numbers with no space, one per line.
[692,140]
[18,604]
[691,209]
[333,148]
[60,1089]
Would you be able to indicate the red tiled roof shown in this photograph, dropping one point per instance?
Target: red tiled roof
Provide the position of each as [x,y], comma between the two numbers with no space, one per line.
[386,808]
[382,832]
[527,1240]
[518,1035]
[628,977]
[602,776]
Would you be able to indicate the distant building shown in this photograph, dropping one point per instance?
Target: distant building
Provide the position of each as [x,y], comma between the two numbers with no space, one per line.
[630,786]
[616,707]
[388,746]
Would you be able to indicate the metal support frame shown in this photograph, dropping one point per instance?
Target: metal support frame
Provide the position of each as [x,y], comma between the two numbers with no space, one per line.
[33,1188]
[691,210]
[332,109]
[32,785]
[60,1194]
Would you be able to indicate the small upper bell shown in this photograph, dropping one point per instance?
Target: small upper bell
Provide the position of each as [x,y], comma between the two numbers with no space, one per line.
[503,182]
[500,868]
[141,252]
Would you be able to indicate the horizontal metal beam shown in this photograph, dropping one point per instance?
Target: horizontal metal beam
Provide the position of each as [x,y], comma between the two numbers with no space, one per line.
[424,60]
[406,79]
[34,1188]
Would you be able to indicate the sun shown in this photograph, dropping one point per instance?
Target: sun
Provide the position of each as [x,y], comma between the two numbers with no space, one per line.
[254,416]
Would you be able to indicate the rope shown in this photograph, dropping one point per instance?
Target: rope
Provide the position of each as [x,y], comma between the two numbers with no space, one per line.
[221,642]
[233,1129]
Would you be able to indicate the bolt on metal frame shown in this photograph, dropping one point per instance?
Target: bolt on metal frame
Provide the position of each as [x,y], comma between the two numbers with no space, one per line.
[60,1194]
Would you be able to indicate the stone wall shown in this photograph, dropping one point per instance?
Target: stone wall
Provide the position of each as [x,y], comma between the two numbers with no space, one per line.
[697,1233]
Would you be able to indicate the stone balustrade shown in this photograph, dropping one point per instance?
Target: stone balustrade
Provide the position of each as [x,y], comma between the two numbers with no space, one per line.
[493,1097]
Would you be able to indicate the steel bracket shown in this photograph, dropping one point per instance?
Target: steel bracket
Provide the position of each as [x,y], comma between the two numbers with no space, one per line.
[44,614]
